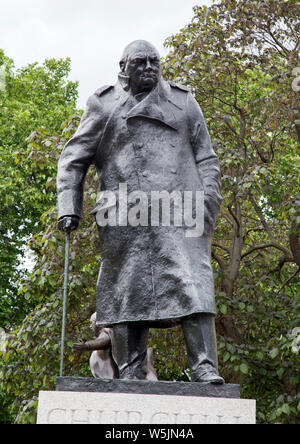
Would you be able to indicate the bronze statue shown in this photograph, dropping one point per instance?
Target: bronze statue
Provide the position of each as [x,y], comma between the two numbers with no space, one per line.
[102,362]
[150,135]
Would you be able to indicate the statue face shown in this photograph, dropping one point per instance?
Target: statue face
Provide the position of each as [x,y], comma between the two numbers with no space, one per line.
[144,69]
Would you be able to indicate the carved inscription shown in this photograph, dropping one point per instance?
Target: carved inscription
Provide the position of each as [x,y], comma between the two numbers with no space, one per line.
[75,416]
[81,416]
[118,408]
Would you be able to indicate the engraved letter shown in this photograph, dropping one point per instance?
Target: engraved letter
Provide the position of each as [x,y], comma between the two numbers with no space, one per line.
[157,418]
[134,417]
[55,416]
[80,420]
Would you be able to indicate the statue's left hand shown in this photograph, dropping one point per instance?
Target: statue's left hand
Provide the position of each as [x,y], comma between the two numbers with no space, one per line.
[212,208]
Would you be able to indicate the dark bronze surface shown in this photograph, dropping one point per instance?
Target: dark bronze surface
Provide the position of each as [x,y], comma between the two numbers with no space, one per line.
[149,134]
[148,387]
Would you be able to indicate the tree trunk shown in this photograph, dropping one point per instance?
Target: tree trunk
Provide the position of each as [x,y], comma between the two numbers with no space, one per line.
[224,324]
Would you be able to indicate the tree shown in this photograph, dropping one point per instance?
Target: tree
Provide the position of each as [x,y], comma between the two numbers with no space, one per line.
[31,351]
[238,58]
[30,98]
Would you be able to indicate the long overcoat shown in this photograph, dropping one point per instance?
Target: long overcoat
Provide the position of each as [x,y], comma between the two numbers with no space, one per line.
[154,274]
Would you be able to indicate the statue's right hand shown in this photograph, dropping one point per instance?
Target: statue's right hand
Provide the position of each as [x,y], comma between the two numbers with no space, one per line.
[68,223]
[79,347]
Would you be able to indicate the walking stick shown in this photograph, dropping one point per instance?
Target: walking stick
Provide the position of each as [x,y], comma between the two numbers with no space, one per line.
[66,285]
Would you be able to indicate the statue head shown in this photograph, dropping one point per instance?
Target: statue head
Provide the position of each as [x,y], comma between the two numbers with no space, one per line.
[93,324]
[140,66]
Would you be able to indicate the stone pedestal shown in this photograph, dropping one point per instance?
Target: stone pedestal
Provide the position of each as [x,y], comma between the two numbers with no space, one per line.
[94,401]
[68,384]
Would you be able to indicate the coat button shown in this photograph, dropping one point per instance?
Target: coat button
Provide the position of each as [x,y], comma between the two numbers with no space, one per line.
[139,145]
[145,174]
[173,171]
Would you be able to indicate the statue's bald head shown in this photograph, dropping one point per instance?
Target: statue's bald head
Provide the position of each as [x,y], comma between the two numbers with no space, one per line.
[141,63]
[137,47]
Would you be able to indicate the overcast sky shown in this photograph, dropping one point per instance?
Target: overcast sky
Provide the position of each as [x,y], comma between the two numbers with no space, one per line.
[93,33]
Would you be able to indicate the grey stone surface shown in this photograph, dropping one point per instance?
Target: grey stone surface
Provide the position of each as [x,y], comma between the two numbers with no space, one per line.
[121,408]
[148,387]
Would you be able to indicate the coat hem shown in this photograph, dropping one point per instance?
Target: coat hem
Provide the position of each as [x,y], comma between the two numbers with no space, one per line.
[157,323]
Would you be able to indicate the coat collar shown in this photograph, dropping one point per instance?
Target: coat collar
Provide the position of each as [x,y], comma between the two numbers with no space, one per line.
[157,105]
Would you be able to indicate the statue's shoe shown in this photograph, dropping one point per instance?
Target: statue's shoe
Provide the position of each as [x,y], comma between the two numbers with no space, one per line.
[211,378]
[208,374]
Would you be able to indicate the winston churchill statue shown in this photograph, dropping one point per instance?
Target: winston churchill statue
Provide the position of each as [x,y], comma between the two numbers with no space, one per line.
[150,135]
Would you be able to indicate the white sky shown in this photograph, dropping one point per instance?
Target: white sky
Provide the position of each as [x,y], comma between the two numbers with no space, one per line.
[93,33]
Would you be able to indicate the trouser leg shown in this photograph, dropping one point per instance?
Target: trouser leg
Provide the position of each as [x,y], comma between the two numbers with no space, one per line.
[130,350]
[200,338]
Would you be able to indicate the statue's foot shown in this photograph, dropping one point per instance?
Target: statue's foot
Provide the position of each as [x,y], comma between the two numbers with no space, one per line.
[131,378]
[129,375]
[211,378]
[207,374]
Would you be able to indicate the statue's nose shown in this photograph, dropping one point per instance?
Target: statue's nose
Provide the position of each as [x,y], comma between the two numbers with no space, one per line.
[148,64]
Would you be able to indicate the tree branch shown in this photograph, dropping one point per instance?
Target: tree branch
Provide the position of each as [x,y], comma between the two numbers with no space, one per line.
[261,247]
[223,214]
[262,219]
[288,281]
[216,245]
[220,262]
[278,43]
[234,217]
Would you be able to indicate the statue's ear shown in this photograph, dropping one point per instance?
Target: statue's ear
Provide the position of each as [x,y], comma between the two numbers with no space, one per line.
[125,81]
[122,65]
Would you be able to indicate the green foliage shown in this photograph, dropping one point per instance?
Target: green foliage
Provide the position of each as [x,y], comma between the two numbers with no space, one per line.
[170,356]
[31,352]
[33,97]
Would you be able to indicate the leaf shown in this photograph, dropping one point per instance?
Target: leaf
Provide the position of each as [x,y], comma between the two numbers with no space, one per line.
[280,373]
[274,353]
[286,409]
[260,355]
[223,309]
[226,357]
[244,368]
